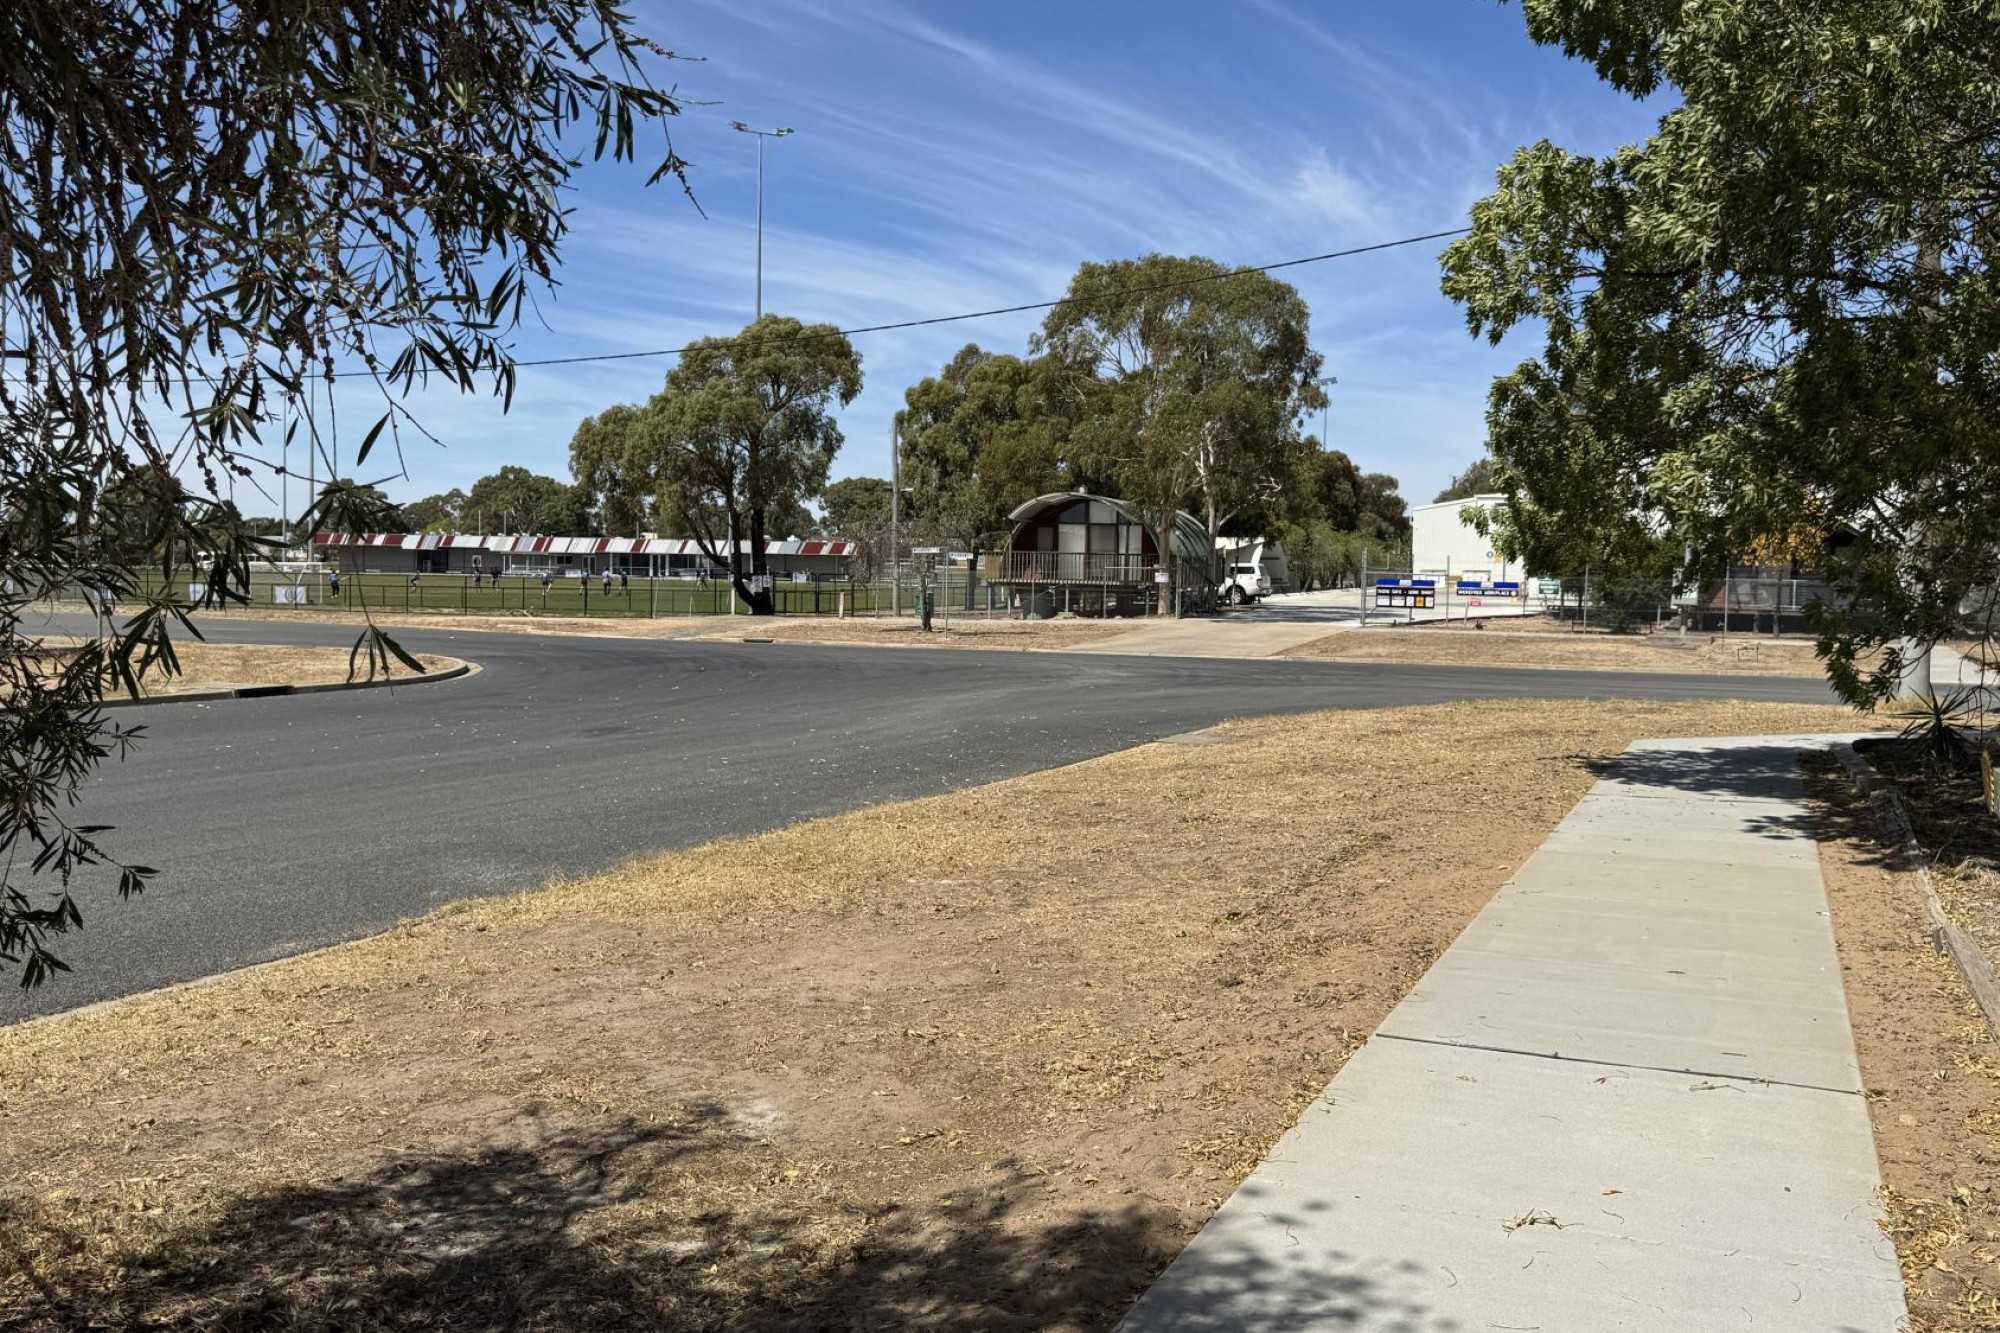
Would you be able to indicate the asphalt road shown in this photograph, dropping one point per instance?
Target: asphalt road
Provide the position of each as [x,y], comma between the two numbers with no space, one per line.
[283,824]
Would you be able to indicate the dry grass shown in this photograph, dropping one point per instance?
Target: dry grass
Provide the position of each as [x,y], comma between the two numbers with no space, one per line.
[1932,1071]
[614,627]
[208,666]
[1544,623]
[1708,655]
[214,666]
[985,1059]
[883,631]
[957,633]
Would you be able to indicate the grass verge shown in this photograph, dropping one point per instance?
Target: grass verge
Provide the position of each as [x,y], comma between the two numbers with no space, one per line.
[986,1059]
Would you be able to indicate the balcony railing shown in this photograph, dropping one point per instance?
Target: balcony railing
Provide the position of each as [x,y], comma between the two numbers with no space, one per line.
[1065,567]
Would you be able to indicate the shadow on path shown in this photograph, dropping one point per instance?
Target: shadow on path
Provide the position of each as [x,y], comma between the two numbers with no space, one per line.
[596,1230]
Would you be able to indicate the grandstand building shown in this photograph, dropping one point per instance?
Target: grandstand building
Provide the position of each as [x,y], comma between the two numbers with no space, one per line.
[641,557]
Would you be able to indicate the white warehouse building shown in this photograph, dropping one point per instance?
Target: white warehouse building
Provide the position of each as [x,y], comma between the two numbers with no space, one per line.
[1442,545]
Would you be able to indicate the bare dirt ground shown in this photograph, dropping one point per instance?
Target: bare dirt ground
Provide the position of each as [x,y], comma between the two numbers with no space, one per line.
[884,631]
[984,1060]
[1534,624]
[1505,645]
[1931,1068]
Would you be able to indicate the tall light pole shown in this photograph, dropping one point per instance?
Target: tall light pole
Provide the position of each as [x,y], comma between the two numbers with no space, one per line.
[895,516]
[1325,408]
[762,135]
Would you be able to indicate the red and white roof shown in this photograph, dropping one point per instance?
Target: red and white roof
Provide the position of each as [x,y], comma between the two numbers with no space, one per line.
[528,544]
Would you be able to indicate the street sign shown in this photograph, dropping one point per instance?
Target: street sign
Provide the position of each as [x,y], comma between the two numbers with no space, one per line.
[1159,576]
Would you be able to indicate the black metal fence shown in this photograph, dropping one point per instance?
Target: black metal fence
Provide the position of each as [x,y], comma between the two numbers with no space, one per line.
[517,594]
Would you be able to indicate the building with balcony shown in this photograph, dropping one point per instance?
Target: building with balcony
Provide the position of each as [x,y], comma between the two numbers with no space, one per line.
[1096,556]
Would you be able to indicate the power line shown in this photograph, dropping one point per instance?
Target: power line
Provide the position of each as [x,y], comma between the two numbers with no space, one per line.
[985,314]
[934,319]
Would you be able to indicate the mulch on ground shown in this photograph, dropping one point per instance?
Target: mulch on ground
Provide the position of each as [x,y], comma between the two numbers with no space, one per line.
[982,1060]
[1946,806]
[1930,1066]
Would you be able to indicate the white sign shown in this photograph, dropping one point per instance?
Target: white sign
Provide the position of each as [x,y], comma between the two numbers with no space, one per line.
[800,576]
[288,594]
[1159,576]
[197,591]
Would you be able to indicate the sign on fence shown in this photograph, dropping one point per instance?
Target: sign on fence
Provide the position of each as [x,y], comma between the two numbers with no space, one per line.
[1548,588]
[1406,594]
[288,594]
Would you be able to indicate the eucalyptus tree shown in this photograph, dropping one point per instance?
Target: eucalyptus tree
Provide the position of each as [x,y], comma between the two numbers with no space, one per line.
[208,211]
[598,457]
[1185,382]
[514,499]
[856,508]
[1772,324]
[738,441]
[443,512]
[977,440]
[1477,479]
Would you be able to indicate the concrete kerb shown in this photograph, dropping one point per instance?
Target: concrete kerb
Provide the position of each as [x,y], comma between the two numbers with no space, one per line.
[277,691]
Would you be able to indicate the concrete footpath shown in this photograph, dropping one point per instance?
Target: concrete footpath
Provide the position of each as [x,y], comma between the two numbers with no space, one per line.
[1625,1098]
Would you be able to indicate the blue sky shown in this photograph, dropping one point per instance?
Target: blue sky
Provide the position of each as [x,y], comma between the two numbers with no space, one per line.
[951,158]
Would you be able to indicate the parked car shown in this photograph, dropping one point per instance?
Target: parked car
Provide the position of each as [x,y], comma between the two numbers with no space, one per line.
[1244,584]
